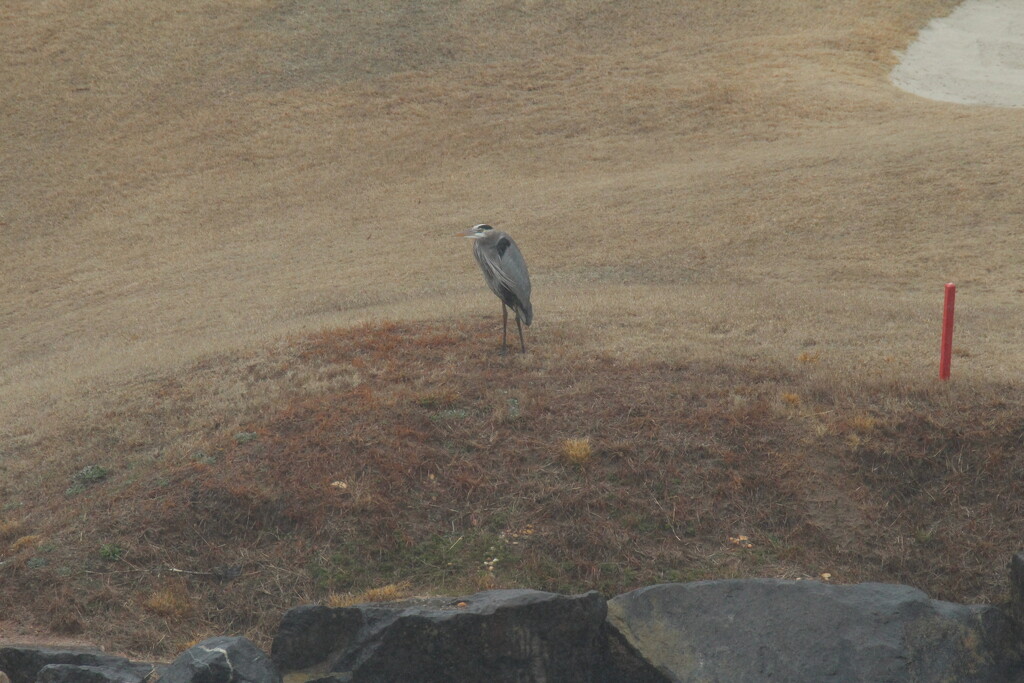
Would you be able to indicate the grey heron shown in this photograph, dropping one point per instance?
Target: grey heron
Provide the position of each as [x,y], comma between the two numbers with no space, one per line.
[505,273]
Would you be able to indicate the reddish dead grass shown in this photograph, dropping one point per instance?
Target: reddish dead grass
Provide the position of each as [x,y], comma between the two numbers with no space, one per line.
[433,463]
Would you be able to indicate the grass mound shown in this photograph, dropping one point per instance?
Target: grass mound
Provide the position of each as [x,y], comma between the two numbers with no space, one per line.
[411,458]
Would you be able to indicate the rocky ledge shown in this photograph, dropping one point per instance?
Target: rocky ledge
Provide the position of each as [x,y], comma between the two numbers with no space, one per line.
[733,630]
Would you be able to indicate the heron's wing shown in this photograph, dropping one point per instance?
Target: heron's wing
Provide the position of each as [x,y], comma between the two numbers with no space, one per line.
[508,267]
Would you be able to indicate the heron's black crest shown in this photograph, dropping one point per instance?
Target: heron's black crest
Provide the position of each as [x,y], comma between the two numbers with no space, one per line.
[484,226]
[501,246]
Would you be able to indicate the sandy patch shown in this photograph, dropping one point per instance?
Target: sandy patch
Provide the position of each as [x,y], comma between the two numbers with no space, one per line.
[973,56]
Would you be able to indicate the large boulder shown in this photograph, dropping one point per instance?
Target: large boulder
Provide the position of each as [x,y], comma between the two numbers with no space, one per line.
[26,664]
[225,659]
[310,634]
[766,629]
[623,664]
[1017,589]
[69,673]
[315,636]
[500,635]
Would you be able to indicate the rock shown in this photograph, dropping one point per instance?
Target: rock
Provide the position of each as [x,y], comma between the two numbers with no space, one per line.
[766,629]
[623,664]
[500,635]
[70,673]
[24,664]
[1017,589]
[222,660]
[310,633]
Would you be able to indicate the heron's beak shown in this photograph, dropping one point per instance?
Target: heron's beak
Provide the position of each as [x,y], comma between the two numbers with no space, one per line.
[467,233]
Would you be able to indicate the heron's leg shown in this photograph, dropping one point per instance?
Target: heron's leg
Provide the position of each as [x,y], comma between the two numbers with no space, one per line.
[520,326]
[504,326]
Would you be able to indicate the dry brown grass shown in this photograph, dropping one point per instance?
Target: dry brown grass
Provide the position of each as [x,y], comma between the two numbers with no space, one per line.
[171,601]
[738,234]
[10,529]
[388,593]
[736,178]
[577,450]
[702,473]
[24,542]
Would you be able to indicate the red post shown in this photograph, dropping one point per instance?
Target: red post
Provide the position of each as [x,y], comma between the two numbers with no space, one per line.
[946,355]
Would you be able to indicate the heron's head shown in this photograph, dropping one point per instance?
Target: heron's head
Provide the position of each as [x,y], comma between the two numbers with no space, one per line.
[477,231]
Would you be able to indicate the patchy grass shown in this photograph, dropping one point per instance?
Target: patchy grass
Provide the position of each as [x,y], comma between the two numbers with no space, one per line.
[418,478]
[86,477]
